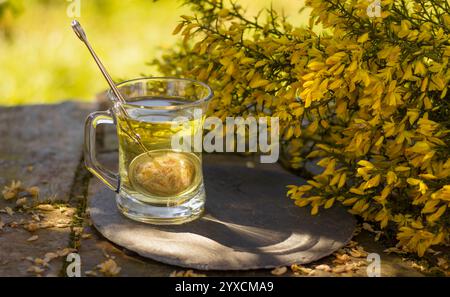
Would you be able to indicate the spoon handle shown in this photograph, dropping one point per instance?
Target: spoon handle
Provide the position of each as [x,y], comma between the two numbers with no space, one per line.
[76,26]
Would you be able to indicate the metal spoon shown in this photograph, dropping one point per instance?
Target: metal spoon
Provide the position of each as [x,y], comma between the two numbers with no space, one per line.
[76,26]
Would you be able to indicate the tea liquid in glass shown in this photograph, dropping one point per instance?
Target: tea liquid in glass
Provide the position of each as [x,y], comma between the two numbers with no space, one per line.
[160,175]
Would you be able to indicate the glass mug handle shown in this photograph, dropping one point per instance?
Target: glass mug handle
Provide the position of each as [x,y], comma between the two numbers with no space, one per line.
[108,177]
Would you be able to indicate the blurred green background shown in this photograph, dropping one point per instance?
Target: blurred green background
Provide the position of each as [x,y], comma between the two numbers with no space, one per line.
[42,61]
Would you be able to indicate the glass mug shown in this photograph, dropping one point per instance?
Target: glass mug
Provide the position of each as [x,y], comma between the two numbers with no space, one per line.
[156,183]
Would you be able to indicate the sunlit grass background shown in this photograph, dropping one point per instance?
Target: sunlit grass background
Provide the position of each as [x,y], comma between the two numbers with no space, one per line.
[41,60]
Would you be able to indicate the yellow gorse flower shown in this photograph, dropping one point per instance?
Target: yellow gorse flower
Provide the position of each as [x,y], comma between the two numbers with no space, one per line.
[367,97]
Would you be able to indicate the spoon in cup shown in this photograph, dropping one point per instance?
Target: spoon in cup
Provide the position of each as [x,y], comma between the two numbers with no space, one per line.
[76,26]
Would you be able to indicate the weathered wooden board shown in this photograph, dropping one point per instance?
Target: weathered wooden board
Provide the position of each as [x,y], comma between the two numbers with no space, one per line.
[48,138]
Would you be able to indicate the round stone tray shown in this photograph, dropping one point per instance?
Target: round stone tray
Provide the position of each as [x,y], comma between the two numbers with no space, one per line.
[249,223]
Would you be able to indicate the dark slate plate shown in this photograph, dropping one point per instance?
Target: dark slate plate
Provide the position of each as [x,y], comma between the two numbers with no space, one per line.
[249,223]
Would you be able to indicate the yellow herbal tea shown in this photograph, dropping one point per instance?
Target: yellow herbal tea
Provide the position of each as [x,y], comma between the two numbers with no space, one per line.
[158,175]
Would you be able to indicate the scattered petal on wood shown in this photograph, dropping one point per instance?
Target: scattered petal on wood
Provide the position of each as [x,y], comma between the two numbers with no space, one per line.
[418,267]
[279,270]
[191,273]
[50,256]
[36,217]
[11,191]
[109,268]
[33,238]
[69,212]
[90,273]
[300,269]
[367,227]
[339,269]
[31,227]
[105,254]
[62,225]
[351,244]
[442,263]
[358,230]
[358,252]
[323,267]
[378,235]
[21,201]
[45,207]
[77,230]
[177,273]
[40,261]
[431,251]
[63,221]
[187,273]
[341,258]
[34,191]
[65,251]
[394,250]
[9,211]
[35,269]
[86,236]
[45,225]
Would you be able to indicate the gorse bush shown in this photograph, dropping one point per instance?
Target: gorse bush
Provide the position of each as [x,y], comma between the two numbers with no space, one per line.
[367,99]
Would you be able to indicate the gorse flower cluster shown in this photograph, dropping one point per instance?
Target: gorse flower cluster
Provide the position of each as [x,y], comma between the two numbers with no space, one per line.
[367,99]
[8,10]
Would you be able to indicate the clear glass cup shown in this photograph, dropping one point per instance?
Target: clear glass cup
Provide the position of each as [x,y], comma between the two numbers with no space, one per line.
[156,183]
